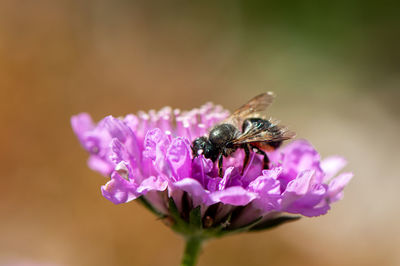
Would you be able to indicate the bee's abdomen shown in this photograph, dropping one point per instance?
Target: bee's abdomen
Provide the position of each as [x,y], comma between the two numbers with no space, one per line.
[255,123]
[222,134]
[267,146]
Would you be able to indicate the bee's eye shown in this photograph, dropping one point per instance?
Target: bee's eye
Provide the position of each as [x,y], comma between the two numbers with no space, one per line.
[198,145]
[203,146]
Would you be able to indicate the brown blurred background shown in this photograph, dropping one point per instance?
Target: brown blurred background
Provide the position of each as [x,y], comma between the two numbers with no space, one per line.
[334,67]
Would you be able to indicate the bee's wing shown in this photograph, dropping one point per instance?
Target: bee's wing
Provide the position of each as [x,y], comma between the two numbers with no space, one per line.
[256,134]
[253,108]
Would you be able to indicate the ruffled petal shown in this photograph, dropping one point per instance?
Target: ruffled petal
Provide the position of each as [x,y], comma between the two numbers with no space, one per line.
[156,144]
[267,181]
[252,170]
[128,153]
[268,189]
[119,152]
[194,189]
[305,196]
[332,165]
[201,167]
[297,188]
[299,156]
[237,196]
[81,124]
[152,183]
[225,179]
[119,190]
[311,212]
[336,186]
[213,184]
[100,165]
[117,128]
[178,156]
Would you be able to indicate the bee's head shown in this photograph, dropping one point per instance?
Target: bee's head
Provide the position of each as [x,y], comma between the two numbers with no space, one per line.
[204,146]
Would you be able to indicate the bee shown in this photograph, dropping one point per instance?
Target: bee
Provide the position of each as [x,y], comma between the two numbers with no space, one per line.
[248,129]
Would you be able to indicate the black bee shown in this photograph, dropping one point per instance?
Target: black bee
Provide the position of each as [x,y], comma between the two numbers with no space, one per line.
[257,133]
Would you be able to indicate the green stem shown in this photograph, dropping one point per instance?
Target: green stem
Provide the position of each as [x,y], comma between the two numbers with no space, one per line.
[192,250]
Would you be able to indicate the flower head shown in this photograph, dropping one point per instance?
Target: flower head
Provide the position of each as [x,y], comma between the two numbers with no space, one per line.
[148,156]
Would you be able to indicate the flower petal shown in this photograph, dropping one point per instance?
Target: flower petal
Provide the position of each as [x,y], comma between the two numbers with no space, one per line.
[178,156]
[336,186]
[152,183]
[310,212]
[156,144]
[119,190]
[237,196]
[299,156]
[332,165]
[100,165]
[213,184]
[297,188]
[268,189]
[149,155]
[117,128]
[201,167]
[81,124]
[225,179]
[305,196]
[129,153]
[267,182]
[194,189]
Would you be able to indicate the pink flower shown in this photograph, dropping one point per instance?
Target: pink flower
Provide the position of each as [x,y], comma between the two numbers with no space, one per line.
[148,156]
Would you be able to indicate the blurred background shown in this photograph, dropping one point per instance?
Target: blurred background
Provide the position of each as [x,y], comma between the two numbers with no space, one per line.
[335,68]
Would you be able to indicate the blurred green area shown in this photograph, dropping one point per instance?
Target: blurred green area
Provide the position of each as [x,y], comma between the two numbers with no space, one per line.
[334,65]
[360,36]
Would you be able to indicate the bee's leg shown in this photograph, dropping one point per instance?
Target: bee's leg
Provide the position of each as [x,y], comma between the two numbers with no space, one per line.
[246,157]
[266,159]
[220,163]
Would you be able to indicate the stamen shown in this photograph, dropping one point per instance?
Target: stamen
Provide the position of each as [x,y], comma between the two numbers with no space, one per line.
[153,118]
[165,122]
[186,126]
[144,119]
[201,129]
[179,130]
[169,135]
[177,112]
